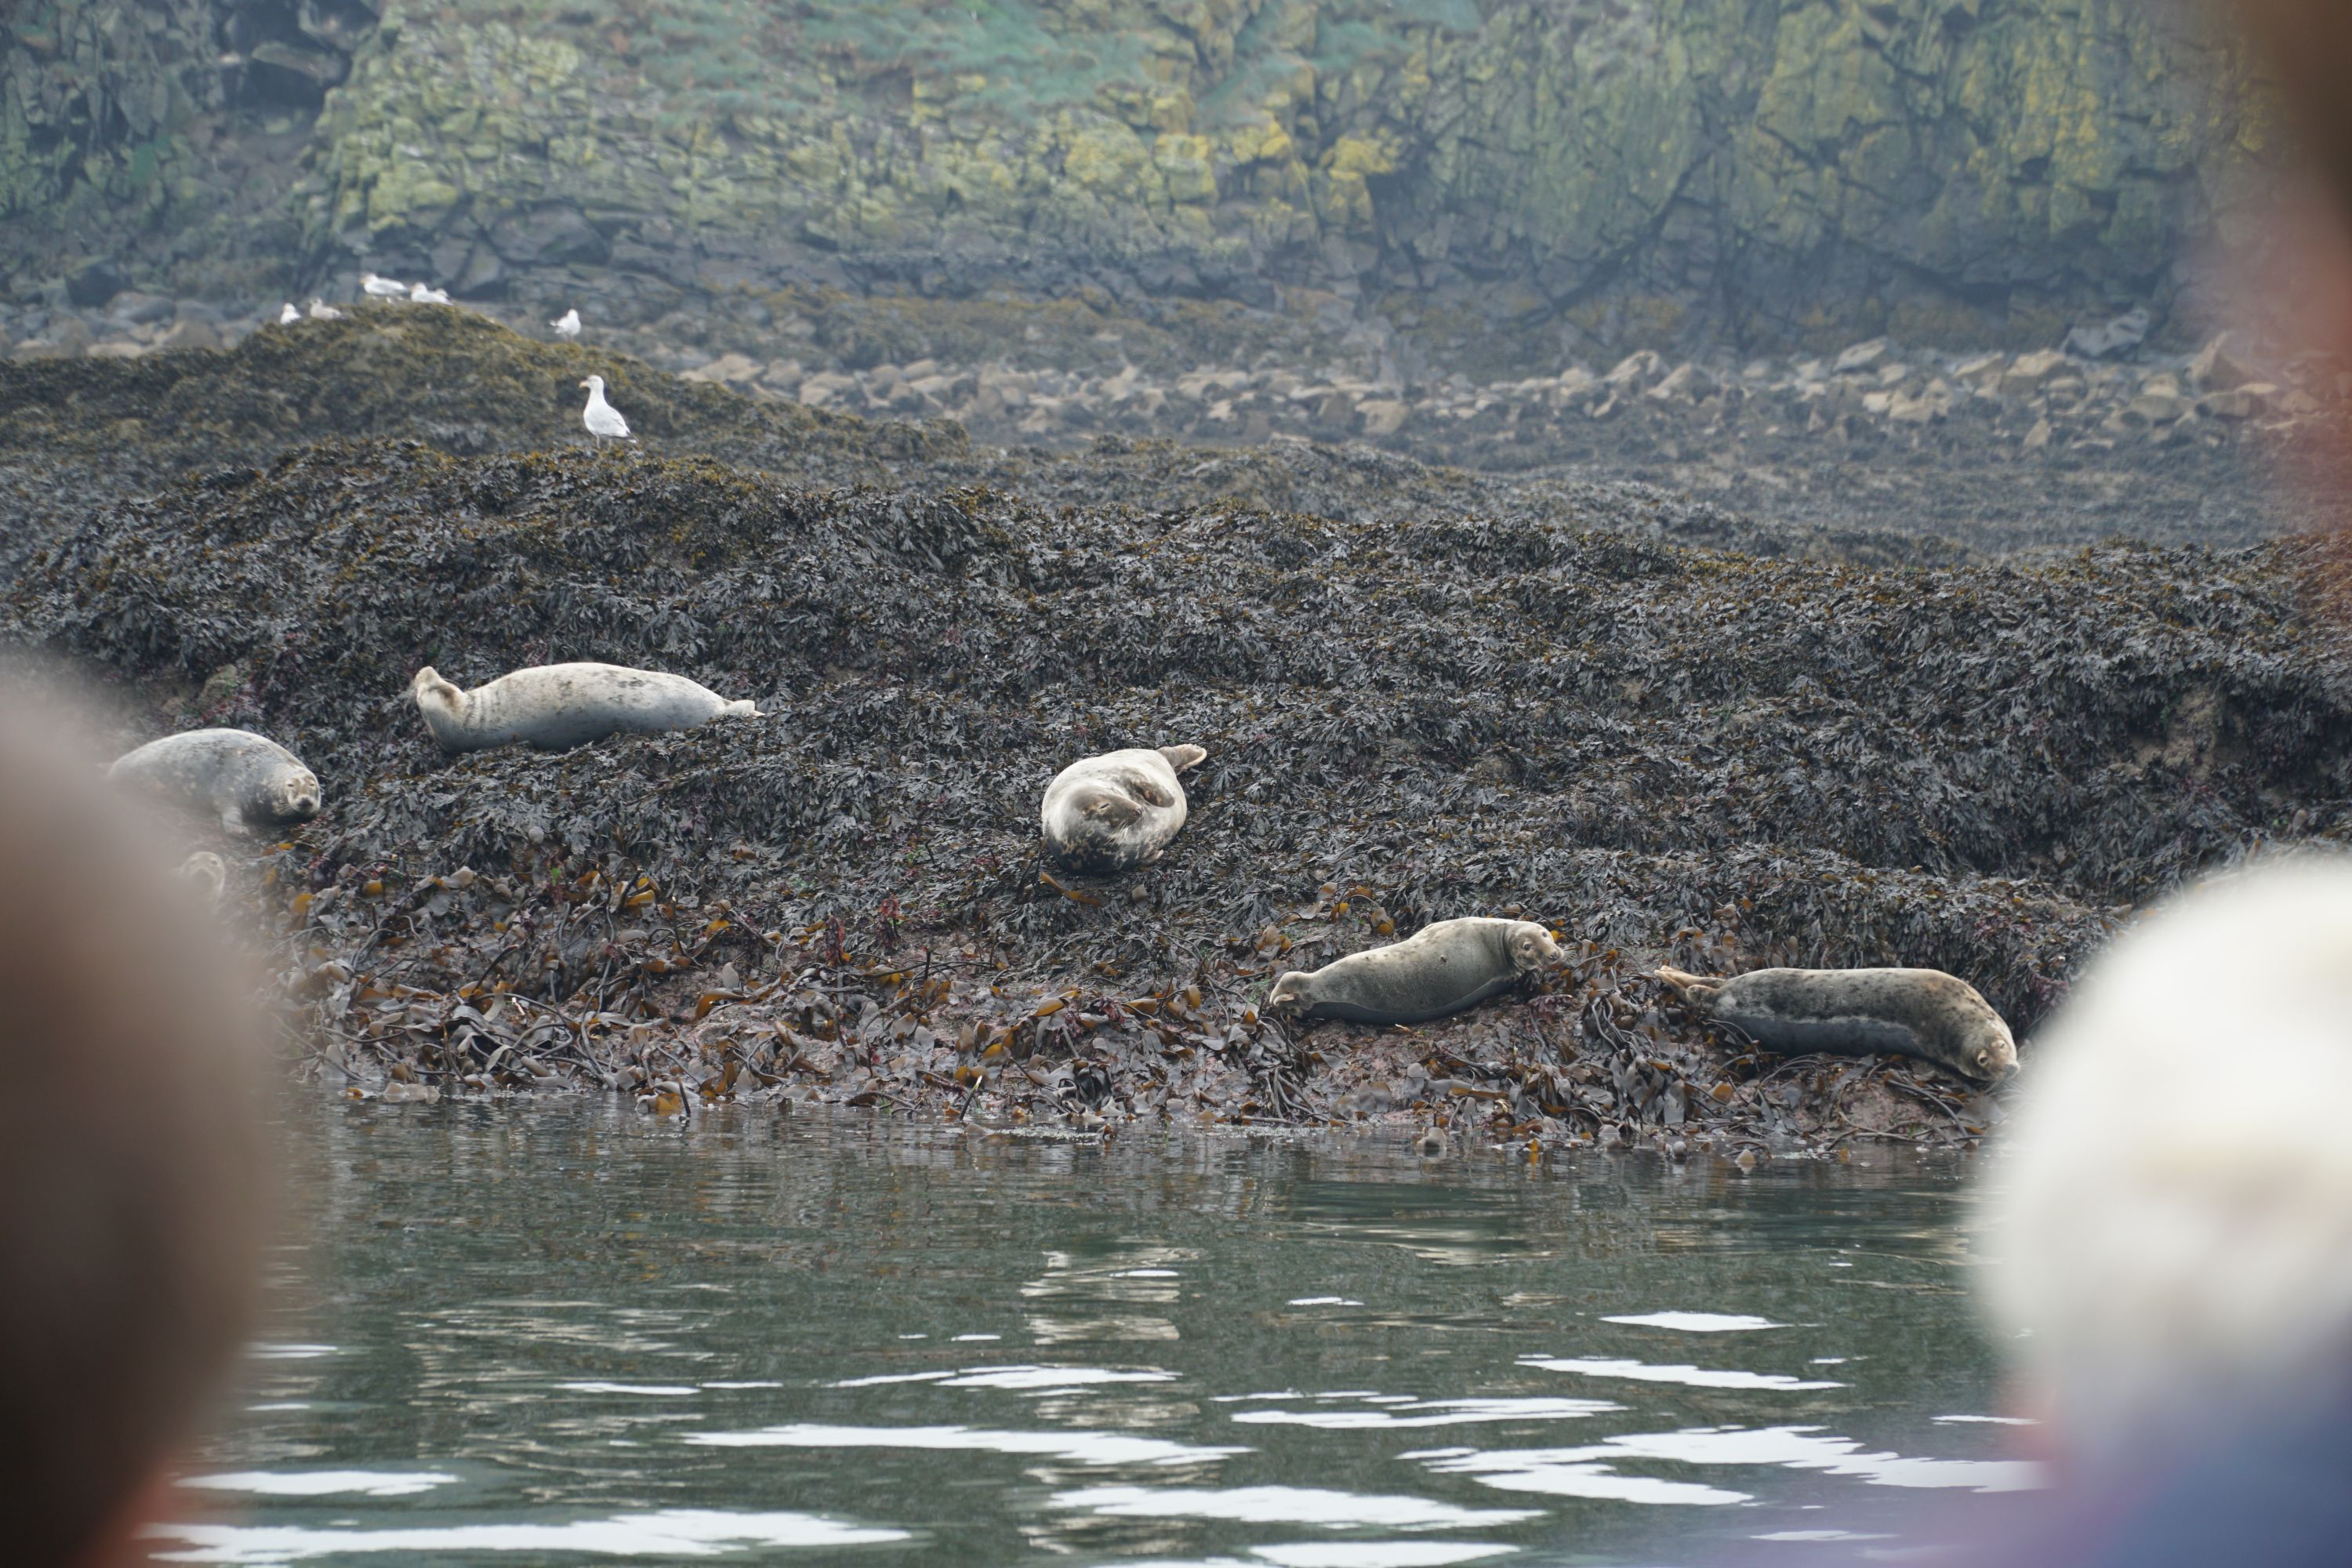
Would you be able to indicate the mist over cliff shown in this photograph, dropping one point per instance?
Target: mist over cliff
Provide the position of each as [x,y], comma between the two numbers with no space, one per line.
[1481,185]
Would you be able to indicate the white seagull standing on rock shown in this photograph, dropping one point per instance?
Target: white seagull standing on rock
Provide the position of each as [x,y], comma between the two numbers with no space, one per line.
[601,417]
[567,325]
[382,287]
[423,296]
[322,311]
[287,315]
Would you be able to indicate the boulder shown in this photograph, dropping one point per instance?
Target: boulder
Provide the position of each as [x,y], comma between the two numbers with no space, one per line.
[1634,370]
[2248,402]
[2157,404]
[2215,369]
[2118,336]
[728,369]
[1861,356]
[189,333]
[94,283]
[1382,416]
[2028,373]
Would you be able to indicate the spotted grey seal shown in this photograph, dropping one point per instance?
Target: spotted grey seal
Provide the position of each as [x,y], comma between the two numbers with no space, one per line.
[1117,811]
[1922,1013]
[1440,970]
[556,705]
[251,780]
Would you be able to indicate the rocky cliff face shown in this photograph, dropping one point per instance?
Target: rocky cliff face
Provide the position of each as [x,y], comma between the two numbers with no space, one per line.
[1488,180]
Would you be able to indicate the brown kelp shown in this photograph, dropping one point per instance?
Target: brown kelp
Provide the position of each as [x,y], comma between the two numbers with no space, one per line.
[1707,758]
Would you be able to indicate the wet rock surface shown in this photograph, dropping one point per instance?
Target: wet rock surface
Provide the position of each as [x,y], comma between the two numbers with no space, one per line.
[1424,693]
[1835,452]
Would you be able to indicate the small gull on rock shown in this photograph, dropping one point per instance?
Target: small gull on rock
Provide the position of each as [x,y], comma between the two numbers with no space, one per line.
[322,311]
[601,417]
[382,287]
[287,315]
[423,296]
[567,326]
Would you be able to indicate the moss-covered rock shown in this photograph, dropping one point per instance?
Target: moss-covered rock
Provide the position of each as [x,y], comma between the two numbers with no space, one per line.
[1794,169]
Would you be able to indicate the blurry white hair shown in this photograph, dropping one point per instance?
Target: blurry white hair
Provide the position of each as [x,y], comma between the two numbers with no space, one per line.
[2171,1229]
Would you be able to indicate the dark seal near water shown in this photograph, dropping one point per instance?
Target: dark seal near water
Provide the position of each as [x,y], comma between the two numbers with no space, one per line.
[1117,811]
[249,781]
[1922,1013]
[559,705]
[1440,970]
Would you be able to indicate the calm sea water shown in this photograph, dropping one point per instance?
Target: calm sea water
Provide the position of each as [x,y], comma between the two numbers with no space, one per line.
[568,1335]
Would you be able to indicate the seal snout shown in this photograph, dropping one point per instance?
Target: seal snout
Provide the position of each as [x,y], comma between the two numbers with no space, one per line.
[1289,992]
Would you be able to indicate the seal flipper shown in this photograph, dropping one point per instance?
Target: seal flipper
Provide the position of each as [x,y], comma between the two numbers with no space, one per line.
[1691,990]
[1113,810]
[1182,757]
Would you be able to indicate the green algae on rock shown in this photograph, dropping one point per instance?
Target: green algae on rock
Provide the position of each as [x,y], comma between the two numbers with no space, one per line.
[1497,180]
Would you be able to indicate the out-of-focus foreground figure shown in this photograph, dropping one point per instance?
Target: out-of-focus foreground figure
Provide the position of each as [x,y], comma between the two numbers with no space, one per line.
[2174,1217]
[131,1171]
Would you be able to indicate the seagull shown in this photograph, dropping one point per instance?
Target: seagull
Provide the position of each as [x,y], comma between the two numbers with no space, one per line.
[382,287]
[601,417]
[322,311]
[567,326]
[424,296]
[287,315]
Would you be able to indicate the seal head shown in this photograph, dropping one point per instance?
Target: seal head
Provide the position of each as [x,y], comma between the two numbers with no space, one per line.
[1443,969]
[1923,1012]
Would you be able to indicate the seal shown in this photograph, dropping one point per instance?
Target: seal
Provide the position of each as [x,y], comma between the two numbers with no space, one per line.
[208,873]
[1922,1013]
[558,705]
[1117,811]
[251,780]
[1440,970]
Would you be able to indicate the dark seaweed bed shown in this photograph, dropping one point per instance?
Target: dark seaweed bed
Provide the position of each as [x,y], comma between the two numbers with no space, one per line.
[1712,758]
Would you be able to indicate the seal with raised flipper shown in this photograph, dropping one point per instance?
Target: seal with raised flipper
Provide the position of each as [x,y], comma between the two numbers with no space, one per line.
[557,705]
[1442,969]
[1922,1013]
[249,781]
[1117,811]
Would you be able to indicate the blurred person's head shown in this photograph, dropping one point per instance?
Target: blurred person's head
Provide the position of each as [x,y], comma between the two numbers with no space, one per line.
[129,1165]
[2171,1228]
[2308,44]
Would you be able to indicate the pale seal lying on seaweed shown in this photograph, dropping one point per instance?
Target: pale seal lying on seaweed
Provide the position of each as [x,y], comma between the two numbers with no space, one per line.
[1440,970]
[555,705]
[249,780]
[1922,1013]
[1117,811]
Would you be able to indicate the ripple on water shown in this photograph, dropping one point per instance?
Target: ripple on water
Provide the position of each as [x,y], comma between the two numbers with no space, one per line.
[1013,1379]
[1689,1376]
[1590,1471]
[1077,1447]
[1409,1412]
[1695,1322]
[321,1483]
[1284,1505]
[668,1532]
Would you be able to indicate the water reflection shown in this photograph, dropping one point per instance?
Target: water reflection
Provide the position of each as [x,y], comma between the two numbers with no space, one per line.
[554,1334]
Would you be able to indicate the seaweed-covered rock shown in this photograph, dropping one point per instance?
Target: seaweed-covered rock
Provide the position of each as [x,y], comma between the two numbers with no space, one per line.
[1666,752]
